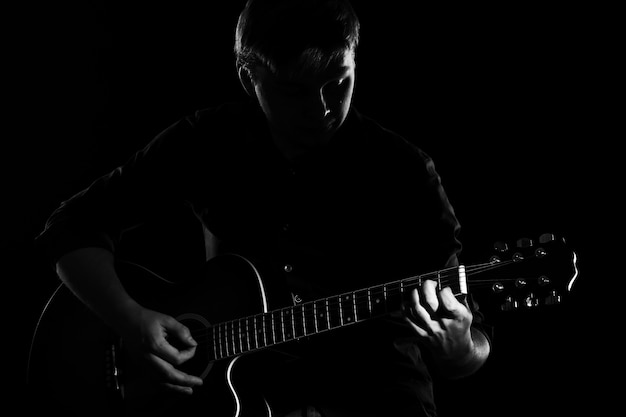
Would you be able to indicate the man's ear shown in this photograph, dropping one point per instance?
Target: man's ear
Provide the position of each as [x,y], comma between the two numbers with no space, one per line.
[246,81]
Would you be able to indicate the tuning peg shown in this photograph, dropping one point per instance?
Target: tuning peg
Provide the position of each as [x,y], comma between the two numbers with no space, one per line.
[544,280]
[553,298]
[501,246]
[509,304]
[531,301]
[524,243]
[547,238]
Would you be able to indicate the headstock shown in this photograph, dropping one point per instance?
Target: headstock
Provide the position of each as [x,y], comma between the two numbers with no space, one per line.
[526,274]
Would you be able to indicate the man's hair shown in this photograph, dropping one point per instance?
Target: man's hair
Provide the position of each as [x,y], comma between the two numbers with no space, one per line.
[301,34]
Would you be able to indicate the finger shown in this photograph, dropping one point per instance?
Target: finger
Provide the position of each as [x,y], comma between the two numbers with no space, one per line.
[429,294]
[418,329]
[176,346]
[449,302]
[178,388]
[171,354]
[419,315]
[181,332]
[174,376]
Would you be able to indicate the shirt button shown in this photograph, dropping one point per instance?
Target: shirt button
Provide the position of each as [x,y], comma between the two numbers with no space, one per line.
[288,268]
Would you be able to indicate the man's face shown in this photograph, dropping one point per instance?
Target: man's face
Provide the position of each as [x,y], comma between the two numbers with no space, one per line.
[305,110]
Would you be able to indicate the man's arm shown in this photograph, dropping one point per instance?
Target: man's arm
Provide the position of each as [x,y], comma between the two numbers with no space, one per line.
[90,274]
[444,325]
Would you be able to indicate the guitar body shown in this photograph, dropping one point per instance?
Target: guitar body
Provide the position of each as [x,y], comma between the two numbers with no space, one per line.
[80,366]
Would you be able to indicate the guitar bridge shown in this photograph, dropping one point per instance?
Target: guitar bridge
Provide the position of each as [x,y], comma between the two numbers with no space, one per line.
[113,381]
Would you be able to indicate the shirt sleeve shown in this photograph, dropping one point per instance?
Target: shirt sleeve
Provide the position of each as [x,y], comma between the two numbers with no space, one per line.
[150,182]
[441,228]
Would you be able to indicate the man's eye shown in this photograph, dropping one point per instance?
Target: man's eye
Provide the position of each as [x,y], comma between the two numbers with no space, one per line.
[334,86]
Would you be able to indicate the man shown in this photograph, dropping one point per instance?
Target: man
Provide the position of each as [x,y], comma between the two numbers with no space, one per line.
[321,199]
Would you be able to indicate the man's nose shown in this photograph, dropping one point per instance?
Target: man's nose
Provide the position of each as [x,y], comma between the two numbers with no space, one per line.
[318,106]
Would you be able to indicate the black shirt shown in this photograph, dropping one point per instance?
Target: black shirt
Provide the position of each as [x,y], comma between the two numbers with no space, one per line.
[366,209]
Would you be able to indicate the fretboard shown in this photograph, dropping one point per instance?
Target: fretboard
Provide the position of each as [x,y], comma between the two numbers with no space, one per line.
[263,330]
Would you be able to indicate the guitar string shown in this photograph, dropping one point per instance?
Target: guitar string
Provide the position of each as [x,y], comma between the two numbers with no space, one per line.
[246,341]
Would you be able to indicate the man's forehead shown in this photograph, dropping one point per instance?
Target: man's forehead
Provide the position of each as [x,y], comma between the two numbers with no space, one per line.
[338,67]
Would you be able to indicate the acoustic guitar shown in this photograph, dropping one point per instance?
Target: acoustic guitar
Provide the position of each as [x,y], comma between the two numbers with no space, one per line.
[82,365]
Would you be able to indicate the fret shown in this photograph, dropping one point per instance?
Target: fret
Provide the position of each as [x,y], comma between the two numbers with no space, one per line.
[224,340]
[242,335]
[288,326]
[213,332]
[270,333]
[255,338]
[253,342]
[299,326]
[230,347]
[378,301]
[219,340]
[410,285]
[327,305]
[252,333]
[210,344]
[236,336]
[248,345]
[309,313]
[320,316]
[346,308]
[361,305]
[259,325]
[340,310]
[394,296]
[279,326]
[335,318]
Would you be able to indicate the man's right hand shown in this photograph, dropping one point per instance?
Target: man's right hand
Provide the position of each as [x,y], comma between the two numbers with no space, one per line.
[158,341]
[162,344]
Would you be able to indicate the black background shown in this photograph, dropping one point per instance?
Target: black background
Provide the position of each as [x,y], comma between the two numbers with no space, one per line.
[510,101]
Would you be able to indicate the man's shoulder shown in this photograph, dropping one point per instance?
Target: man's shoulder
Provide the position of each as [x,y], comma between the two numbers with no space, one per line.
[223,113]
[386,141]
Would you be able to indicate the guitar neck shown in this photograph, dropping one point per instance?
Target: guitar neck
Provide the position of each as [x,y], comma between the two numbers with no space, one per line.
[263,330]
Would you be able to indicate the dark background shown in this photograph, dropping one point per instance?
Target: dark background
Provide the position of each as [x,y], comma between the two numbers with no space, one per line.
[510,101]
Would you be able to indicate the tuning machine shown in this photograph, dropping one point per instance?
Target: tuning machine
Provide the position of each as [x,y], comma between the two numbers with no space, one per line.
[552,298]
[530,301]
[501,247]
[509,304]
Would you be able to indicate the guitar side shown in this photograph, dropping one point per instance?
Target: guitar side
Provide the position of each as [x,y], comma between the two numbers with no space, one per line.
[79,366]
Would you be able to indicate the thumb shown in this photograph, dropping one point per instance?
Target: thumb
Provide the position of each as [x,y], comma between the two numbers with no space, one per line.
[183,333]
